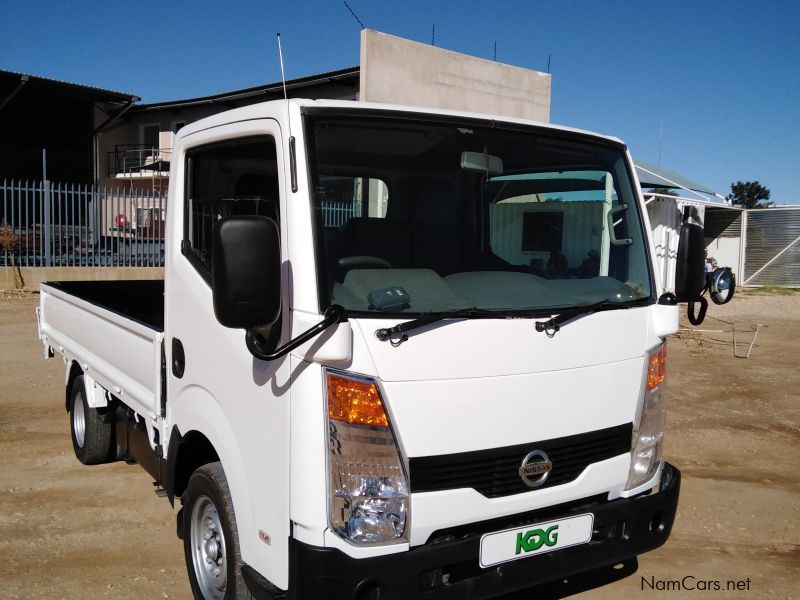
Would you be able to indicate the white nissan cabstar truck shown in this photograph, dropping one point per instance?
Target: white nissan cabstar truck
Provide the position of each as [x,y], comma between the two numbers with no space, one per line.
[397,353]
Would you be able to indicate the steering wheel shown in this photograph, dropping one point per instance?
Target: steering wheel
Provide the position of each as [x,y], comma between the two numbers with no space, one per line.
[363,262]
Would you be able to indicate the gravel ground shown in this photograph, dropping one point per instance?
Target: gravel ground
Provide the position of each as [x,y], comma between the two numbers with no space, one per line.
[69,531]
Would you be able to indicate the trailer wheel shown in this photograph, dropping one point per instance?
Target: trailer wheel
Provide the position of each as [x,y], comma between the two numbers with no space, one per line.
[91,436]
[210,538]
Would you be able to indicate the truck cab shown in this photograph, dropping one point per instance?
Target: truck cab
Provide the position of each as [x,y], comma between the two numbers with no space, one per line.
[406,353]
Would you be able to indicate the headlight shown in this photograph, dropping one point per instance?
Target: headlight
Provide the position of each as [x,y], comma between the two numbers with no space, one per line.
[369,501]
[648,433]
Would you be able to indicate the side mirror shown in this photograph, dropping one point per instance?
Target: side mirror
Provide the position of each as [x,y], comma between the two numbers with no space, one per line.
[690,276]
[245,271]
[721,285]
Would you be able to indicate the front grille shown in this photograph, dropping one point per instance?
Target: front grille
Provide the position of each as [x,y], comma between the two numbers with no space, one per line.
[495,472]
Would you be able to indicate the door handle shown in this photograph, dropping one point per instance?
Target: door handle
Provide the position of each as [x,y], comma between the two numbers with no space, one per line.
[178,358]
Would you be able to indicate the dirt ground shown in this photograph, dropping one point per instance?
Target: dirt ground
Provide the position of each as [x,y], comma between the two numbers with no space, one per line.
[69,531]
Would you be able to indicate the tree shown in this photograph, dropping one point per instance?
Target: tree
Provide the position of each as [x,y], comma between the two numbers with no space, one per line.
[665,191]
[9,242]
[749,194]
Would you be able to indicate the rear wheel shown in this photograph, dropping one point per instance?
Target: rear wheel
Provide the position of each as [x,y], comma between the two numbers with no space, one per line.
[92,437]
[210,540]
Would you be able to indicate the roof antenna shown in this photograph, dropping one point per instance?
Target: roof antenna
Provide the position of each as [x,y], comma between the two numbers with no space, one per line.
[292,155]
[433,34]
[283,73]
[495,51]
[355,16]
[547,70]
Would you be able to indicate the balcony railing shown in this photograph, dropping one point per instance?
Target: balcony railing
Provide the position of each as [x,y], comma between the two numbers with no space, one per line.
[131,159]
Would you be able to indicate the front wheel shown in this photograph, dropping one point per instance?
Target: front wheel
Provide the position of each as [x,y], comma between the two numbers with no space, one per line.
[211,541]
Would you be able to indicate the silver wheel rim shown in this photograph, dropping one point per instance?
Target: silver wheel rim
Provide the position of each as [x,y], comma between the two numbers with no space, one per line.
[208,549]
[79,420]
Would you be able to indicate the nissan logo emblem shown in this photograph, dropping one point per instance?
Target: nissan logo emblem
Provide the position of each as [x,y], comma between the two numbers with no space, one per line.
[535,468]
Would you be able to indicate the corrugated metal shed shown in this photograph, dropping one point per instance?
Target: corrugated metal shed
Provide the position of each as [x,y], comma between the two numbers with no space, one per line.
[651,176]
[723,222]
[665,222]
[666,215]
[772,248]
[39,114]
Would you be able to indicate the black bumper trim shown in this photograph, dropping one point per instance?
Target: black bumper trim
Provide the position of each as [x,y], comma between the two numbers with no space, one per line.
[623,528]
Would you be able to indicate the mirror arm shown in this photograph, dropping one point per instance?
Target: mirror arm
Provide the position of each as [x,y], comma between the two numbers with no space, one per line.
[697,319]
[334,314]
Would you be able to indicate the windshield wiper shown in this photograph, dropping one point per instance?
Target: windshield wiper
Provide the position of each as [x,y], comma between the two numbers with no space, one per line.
[397,335]
[552,325]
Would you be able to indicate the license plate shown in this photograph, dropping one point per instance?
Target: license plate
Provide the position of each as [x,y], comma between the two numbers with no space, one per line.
[539,538]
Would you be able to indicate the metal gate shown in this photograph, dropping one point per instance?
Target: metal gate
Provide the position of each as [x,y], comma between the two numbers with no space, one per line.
[772,247]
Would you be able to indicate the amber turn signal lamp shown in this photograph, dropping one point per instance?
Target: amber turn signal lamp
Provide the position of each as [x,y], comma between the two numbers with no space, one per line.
[354,401]
[657,369]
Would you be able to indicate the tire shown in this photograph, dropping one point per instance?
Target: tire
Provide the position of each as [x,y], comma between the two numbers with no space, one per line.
[92,437]
[210,537]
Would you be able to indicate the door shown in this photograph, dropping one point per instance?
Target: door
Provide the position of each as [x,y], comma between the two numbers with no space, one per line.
[216,387]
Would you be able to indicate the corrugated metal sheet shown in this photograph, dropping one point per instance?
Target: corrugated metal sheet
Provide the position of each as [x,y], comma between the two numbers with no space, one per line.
[772,251]
[665,222]
[108,94]
[723,223]
[666,215]
[651,176]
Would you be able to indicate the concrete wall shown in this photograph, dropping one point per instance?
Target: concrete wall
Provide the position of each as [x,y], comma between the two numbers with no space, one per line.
[400,71]
[33,276]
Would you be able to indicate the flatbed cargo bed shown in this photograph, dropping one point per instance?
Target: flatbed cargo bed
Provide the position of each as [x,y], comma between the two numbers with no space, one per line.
[141,301]
[114,330]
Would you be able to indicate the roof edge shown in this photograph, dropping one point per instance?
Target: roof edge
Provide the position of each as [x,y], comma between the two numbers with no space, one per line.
[251,91]
[109,94]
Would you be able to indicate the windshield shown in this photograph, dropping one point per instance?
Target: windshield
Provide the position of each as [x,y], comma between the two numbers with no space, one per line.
[417,217]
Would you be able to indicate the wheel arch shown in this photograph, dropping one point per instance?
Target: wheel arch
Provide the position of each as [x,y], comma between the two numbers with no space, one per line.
[202,433]
[185,454]
[73,372]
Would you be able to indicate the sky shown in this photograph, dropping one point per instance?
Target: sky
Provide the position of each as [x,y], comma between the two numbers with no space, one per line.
[707,88]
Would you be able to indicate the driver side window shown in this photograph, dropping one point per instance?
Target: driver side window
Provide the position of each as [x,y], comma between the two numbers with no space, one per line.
[238,177]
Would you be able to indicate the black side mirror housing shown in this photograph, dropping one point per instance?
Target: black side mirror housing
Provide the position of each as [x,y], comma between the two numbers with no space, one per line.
[690,276]
[246,271]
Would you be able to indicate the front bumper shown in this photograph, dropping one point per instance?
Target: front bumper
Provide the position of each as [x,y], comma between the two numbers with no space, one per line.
[447,568]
